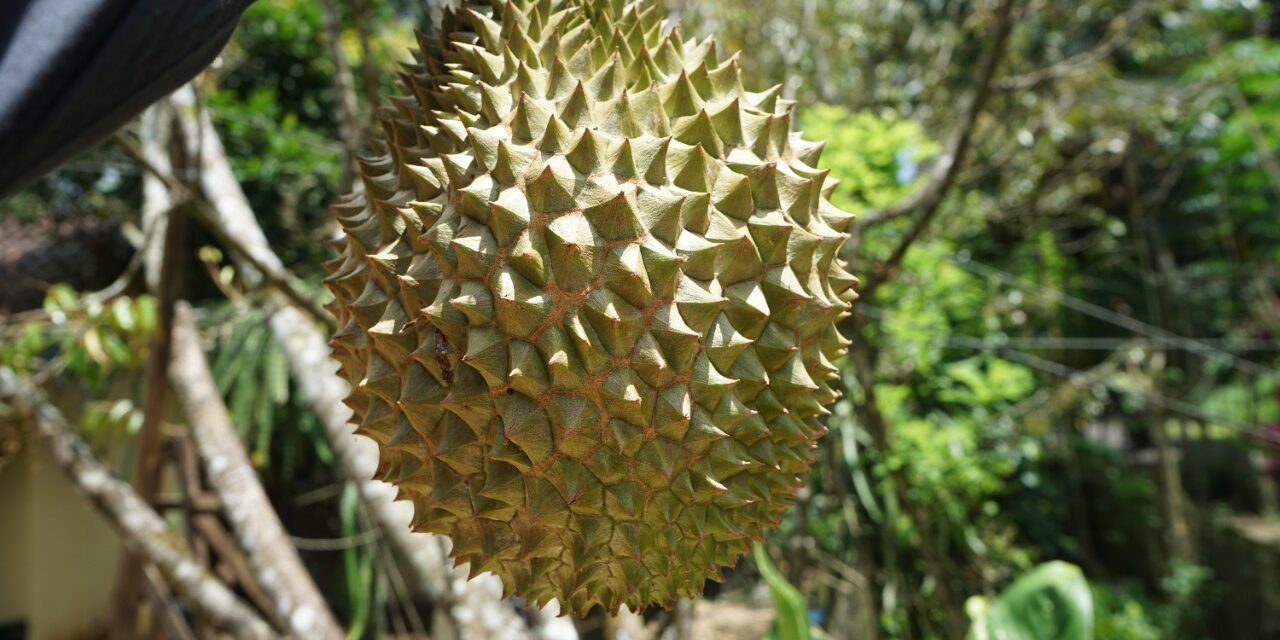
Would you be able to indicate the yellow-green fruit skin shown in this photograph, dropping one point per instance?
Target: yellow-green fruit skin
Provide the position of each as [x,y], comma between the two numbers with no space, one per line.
[588,300]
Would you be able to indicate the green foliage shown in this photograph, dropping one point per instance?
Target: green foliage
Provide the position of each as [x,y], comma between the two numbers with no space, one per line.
[251,372]
[1124,611]
[946,405]
[1246,400]
[85,344]
[1051,602]
[1053,497]
[357,565]
[275,105]
[1184,589]
[82,337]
[279,50]
[1122,614]
[253,375]
[877,158]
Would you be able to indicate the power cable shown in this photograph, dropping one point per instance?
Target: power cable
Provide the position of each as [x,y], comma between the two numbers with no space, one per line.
[1082,343]
[1156,334]
[1070,373]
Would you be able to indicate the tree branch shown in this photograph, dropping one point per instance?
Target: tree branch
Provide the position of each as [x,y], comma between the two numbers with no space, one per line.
[257,528]
[929,198]
[1120,32]
[204,212]
[348,130]
[143,531]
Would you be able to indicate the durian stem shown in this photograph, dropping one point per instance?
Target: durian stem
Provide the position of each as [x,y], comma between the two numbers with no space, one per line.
[257,528]
[142,529]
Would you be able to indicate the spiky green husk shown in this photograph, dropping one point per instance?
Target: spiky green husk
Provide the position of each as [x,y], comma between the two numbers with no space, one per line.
[588,301]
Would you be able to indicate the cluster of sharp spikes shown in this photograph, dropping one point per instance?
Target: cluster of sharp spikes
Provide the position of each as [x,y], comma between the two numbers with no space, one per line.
[588,300]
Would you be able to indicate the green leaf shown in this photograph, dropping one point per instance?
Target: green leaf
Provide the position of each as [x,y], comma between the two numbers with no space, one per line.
[264,414]
[92,419]
[793,620]
[116,349]
[60,297]
[275,368]
[122,314]
[145,307]
[1052,602]
[357,564]
[224,364]
[307,426]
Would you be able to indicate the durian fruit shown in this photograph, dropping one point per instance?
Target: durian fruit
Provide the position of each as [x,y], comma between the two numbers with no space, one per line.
[588,301]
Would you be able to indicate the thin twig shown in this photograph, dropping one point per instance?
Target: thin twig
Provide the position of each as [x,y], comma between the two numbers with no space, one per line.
[175,626]
[360,539]
[1120,32]
[148,460]
[231,561]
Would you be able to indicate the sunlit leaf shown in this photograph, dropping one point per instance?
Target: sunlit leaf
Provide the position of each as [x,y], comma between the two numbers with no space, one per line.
[1052,602]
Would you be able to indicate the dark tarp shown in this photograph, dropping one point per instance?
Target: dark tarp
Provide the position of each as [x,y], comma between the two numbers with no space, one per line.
[74,71]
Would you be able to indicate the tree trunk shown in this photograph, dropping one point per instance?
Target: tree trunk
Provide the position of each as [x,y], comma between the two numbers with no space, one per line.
[165,236]
[877,427]
[359,10]
[1177,530]
[348,130]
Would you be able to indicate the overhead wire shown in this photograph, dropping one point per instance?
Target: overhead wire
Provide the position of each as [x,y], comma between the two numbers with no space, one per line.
[1087,343]
[1156,334]
[1072,374]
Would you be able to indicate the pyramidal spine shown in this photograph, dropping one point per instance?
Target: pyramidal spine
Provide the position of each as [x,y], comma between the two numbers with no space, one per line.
[587,300]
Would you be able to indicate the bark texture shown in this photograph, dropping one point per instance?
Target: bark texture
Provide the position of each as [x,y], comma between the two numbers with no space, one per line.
[257,528]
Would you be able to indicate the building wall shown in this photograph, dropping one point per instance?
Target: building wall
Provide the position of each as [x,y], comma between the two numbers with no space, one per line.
[58,557]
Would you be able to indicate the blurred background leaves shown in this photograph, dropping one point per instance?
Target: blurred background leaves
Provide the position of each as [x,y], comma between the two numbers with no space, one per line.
[1102,279]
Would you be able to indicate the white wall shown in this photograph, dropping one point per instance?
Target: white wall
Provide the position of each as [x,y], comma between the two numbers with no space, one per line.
[58,557]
